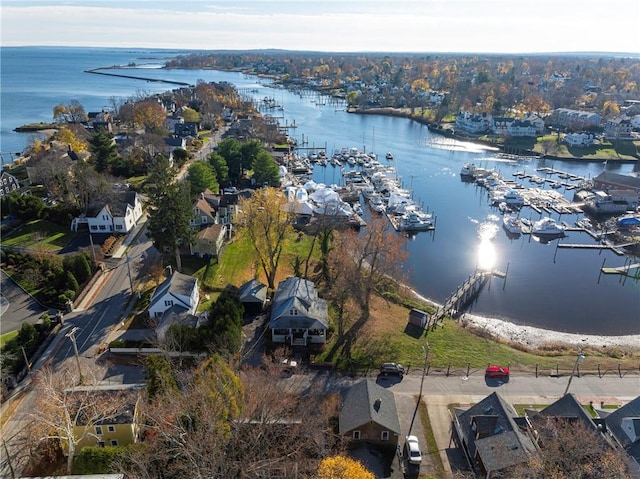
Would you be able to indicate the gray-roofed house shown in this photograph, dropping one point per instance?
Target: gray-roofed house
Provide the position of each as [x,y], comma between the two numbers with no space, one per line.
[298,316]
[567,408]
[179,290]
[208,241]
[491,437]
[369,414]
[624,425]
[253,295]
[118,216]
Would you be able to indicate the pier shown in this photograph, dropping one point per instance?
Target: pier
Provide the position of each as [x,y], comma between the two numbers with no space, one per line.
[461,297]
[97,71]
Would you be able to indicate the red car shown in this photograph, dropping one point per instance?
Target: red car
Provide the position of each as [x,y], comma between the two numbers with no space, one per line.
[497,372]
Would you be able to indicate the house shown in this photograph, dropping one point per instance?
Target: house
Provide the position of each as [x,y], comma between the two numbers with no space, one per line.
[623,425]
[472,122]
[179,290]
[105,415]
[581,140]
[203,212]
[522,128]
[298,316]
[618,128]
[500,125]
[208,241]
[574,119]
[536,121]
[369,414]
[566,408]
[101,120]
[8,183]
[117,216]
[253,295]
[187,128]
[608,181]
[492,437]
[176,314]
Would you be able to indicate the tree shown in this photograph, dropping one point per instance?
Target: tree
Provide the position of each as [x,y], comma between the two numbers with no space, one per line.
[103,149]
[265,170]
[362,263]
[160,377]
[219,165]
[569,449]
[73,112]
[68,137]
[200,177]
[150,115]
[229,149]
[268,225]
[61,407]
[169,224]
[342,467]
[225,322]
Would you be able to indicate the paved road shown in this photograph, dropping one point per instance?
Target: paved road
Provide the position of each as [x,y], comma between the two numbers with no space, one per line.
[16,306]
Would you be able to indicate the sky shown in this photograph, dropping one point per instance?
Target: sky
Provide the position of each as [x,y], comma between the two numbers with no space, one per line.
[465,26]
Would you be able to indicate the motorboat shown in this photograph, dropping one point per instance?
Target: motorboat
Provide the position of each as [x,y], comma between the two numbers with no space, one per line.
[389,155]
[547,227]
[376,203]
[513,198]
[415,221]
[512,224]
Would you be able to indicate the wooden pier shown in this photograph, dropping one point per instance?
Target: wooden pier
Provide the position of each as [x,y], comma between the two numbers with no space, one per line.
[461,297]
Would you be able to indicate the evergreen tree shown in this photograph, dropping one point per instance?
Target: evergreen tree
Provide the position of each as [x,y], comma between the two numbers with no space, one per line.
[202,176]
[229,149]
[103,150]
[219,164]
[265,170]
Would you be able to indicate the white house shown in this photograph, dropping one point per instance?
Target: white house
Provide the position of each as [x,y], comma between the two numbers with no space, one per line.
[118,216]
[536,121]
[618,128]
[521,128]
[179,291]
[579,139]
[473,122]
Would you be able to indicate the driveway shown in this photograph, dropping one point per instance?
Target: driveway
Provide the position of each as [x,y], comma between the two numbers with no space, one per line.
[17,306]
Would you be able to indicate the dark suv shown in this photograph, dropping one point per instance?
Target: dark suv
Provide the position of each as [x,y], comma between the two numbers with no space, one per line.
[392,368]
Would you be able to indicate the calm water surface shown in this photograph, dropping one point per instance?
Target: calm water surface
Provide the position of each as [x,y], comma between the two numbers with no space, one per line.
[555,289]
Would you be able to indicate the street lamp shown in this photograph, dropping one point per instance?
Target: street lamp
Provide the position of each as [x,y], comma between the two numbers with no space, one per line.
[72,335]
[579,359]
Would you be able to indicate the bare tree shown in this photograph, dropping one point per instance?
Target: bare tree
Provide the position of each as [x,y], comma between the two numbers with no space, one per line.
[67,413]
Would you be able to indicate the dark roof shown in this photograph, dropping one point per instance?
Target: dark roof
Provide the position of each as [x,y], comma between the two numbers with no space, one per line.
[624,425]
[500,441]
[176,284]
[253,291]
[124,397]
[211,232]
[300,295]
[568,407]
[360,407]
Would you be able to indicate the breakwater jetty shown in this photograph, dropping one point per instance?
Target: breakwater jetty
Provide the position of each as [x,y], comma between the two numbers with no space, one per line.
[99,71]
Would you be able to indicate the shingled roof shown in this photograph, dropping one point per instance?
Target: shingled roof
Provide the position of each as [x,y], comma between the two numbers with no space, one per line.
[361,407]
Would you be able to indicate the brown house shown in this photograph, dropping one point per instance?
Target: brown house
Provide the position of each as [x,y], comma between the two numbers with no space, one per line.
[369,414]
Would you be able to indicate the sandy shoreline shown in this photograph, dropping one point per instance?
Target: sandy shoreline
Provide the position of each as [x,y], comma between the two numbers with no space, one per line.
[535,338]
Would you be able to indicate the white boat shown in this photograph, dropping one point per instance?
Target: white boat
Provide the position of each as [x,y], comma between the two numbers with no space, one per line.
[513,198]
[468,171]
[512,224]
[357,209]
[415,221]
[389,155]
[376,203]
[547,227]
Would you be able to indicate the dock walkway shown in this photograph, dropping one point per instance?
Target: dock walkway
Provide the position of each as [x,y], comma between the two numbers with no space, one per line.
[461,297]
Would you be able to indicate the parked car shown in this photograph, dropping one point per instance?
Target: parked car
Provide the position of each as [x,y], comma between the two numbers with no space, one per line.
[499,372]
[412,448]
[392,368]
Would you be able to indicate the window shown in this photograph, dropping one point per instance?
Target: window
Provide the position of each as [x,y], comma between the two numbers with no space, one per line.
[103,227]
[100,443]
[293,312]
[94,227]
[168,302]
[204,219]
[356,435]
[114,442]
[99,430]
[111,428]
[118,227]
[385,435]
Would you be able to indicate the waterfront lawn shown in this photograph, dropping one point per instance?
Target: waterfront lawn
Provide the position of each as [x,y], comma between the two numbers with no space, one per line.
[5,338]
[39,234]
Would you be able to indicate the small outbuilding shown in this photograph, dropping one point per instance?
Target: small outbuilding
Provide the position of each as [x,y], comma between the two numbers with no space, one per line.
[253,296]
[418,318]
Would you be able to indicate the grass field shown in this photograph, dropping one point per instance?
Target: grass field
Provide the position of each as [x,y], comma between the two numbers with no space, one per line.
[7,337]
[39,234]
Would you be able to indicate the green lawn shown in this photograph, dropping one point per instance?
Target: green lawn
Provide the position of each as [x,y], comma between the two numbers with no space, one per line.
[7,337]
[39,234]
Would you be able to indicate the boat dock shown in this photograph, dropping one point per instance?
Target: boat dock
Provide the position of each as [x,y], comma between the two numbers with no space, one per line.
[461,297]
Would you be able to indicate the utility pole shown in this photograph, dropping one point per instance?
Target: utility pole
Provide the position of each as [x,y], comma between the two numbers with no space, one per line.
[72,335]
[424,373]
[129,272]
[579,359]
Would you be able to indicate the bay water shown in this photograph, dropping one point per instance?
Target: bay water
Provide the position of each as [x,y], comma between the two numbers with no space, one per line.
[546,287]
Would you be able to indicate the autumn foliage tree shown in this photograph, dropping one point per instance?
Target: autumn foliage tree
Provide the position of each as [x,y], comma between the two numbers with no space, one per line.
[269,226]
[342,467]
[150,115]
